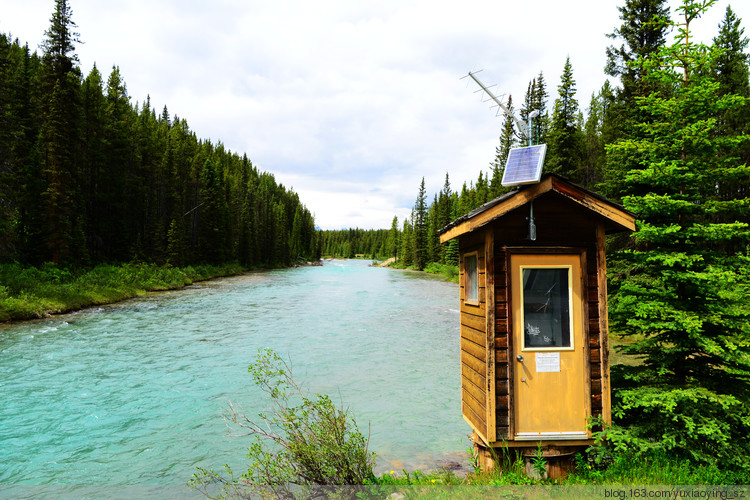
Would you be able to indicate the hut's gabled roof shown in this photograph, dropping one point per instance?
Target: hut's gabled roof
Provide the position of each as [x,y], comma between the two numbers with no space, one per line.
[617,218]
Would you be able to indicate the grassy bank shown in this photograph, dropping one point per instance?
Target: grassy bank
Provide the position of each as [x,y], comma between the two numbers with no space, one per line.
[622,469]
[35,292]
[449,272]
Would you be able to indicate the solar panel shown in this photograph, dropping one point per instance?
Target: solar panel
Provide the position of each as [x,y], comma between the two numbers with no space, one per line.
[524,165]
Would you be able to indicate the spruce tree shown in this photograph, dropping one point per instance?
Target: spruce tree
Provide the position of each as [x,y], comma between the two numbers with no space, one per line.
[731,68]
[419,221]
[679,290]
[507,139]
[643,32]
[540,124]
[594,145]
[94,145]
[565,145]
[58,138]
[393,238]
[445,202]
[481,191]
[406,251]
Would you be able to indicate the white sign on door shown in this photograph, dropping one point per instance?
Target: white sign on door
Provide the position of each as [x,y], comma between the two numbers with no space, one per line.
[547,362]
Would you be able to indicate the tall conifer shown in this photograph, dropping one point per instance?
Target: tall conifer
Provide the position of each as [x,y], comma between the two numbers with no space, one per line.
[679,290]
[58,142]
[565,144]
[419,221]
[507,139]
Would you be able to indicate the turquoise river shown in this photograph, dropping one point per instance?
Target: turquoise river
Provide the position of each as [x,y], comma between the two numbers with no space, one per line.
[133,393]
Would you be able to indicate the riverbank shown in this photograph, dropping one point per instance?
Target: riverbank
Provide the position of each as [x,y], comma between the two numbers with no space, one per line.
[36,292]
[448,271]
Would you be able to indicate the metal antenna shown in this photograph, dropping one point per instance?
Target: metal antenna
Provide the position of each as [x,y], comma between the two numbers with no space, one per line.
[521,127]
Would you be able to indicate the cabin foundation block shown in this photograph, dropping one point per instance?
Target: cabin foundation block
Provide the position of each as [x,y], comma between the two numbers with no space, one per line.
[558,462]
[485,457]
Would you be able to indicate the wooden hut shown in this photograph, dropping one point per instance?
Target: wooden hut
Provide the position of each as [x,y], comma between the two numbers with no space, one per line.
[534,335]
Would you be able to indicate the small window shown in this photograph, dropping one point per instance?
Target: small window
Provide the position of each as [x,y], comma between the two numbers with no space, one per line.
[471,282]
[546,307]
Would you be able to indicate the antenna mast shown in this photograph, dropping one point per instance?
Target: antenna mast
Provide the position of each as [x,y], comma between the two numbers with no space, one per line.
[524,130]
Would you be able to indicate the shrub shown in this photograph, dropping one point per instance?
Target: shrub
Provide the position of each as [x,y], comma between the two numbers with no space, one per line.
[693,424]
[303,441]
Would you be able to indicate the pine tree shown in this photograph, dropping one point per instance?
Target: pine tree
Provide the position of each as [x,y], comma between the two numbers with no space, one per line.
[444,212]
[419,222]
[451,250]
[59,135]
[507,139]
[594,152]
[433,240]
[680,288]
[18,132]
[731,68]
[445,202]
[406,252]
[645,24]
[393,238]
[565,146]
[540,124]
[481,191]
[643,31]
[94,145]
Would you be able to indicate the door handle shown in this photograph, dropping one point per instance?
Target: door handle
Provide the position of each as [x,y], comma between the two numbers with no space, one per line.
[519,358]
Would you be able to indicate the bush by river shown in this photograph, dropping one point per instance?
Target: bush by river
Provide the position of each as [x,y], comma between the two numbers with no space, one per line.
[35,292]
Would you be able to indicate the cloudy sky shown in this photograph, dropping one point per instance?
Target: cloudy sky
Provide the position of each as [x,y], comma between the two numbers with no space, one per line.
[350,103]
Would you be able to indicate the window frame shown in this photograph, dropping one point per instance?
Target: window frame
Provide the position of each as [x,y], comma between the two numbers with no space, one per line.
[474,301]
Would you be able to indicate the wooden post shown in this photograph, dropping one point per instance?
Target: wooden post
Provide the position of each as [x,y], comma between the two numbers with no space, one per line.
[489,291]
[483,454]
[601,264]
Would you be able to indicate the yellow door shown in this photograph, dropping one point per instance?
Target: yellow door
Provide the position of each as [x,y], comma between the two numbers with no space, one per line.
[549,368]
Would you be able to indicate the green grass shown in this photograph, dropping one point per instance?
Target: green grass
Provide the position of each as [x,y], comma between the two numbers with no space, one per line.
[448,271]
[655,469]
[621,470]
[35,292]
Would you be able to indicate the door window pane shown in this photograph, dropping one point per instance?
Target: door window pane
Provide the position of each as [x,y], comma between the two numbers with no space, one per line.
[546,307]
[472,280]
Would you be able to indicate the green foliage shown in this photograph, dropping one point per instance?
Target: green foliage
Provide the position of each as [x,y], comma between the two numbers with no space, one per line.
[650,468]
[302,440]
[88,178]
[566,140]
[34,292]
[680,296]
[348,243]
[696,424]
[507,141]
[450,271]
[539,463]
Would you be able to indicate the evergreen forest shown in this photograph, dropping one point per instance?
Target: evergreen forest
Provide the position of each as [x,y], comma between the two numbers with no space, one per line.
[89,177]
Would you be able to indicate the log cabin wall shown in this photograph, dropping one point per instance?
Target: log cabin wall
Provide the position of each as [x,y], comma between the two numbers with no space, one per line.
[555,236]
[502,346]
[474,348]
